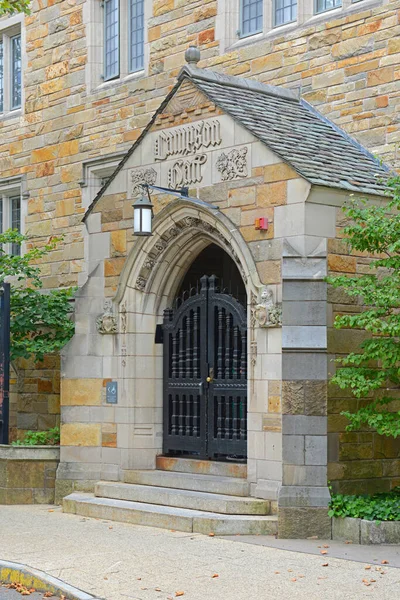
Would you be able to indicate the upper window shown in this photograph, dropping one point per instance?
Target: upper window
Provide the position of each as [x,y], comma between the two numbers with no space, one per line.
[285,11]
[123,21]
[10,70]
[251,17]
[323,5]
[10,217]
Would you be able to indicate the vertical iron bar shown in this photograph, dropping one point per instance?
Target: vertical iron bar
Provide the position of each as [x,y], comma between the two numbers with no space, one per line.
[5,361]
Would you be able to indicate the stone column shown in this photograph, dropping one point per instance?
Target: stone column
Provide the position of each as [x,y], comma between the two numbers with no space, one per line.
[304,495]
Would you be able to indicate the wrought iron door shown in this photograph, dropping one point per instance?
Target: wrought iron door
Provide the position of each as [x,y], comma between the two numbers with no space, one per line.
[205,375]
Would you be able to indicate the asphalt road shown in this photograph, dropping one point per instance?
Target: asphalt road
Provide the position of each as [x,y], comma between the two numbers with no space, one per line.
[6,594]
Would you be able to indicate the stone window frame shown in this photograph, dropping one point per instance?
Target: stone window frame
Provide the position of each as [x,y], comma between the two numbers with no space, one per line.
[94,174]
[11,27]
[93,18]
[9,189]
[228,20]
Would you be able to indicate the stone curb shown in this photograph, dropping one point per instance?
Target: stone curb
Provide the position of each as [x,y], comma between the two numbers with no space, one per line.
[360,531]
[11,572]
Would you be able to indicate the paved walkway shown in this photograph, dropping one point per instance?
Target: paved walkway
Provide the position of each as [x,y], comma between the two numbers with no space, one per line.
[127,562]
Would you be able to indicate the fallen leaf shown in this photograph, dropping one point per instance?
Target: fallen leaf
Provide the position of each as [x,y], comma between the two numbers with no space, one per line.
[294,579]
[313,537]
[215,575]
[50,510]
[365,581]
[300,576]
[322,578]
[106,578]
[348,542]
[325,564]
[179,594]
[157,589]
[48,595]
[326,546]
[290,570]
[373,580]
[110,528]
[324,551]
[384,562]
[211,534]
[139,578]
[277,572]
[367,584]
[367,567]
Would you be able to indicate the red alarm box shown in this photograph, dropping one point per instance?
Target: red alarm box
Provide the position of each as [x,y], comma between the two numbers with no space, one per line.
[261,223]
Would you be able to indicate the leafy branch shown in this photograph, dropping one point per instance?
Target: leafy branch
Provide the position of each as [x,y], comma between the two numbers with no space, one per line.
[374,370]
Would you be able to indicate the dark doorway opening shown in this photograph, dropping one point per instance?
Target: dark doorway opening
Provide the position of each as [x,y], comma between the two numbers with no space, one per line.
[213,260]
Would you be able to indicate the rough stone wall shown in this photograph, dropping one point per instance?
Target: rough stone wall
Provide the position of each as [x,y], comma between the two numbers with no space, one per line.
[346,67]
[359,461]
[34,396]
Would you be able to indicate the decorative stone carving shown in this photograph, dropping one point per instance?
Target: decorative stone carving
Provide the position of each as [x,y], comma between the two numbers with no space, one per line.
[124,319]
[140,177]
[187,139]
[107,322]
[141,283]
[233,165]
[266,312]
[186,172]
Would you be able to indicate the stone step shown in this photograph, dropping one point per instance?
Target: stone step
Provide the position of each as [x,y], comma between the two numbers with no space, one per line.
[218,503]
[231,486]
[167,517]
[201,467]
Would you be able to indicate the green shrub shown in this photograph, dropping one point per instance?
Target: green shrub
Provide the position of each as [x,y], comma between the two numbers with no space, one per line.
[380,507]
[40,438]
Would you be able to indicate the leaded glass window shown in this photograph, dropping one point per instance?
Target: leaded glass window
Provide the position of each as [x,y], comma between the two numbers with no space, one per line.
[251,16]
[1,77]
[136,19]
[111,39]
[285,11]
[15,206]
[16,71]
[323,5]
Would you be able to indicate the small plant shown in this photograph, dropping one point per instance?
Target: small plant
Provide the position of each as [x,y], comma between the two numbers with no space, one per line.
[40,438]
[380,507]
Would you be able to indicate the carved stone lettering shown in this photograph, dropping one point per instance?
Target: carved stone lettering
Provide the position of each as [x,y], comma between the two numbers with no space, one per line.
[186,172]
[140,177]
[233,165]
[187,139]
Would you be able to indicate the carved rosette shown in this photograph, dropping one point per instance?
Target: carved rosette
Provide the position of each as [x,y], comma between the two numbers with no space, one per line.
[139,177]
[233,165]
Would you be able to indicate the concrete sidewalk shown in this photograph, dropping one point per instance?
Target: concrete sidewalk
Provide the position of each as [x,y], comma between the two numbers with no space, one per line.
[119,561]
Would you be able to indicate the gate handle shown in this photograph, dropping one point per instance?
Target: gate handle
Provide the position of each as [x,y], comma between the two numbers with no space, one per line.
[210,378]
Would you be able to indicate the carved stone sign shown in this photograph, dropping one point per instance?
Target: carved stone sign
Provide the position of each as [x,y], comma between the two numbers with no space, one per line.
[233,165]
[186,172]
[140,177]
[188,139]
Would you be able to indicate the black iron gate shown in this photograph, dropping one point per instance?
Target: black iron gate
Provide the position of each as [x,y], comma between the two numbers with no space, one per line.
[205,375]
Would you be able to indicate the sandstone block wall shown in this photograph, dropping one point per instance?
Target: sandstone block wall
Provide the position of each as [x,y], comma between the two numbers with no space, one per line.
[359,461]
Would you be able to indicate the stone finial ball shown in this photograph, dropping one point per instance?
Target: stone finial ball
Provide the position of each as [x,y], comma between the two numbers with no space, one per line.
[192,55]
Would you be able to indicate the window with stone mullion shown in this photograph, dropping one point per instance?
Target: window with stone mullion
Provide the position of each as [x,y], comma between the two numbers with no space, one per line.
[324,5]
[16,72]
[111,39]
[1,77]
[251,17]
[285,11]
[136,35]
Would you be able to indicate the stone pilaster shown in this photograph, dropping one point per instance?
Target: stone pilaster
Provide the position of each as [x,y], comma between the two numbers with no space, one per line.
[304,495]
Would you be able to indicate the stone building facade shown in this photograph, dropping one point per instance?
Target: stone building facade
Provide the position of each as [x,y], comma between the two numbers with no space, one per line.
[74,128]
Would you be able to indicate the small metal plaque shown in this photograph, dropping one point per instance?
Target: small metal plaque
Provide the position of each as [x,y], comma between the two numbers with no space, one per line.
[112,392]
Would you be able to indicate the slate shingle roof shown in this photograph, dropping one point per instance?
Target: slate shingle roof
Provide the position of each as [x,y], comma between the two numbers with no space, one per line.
[317,149]
[311,144]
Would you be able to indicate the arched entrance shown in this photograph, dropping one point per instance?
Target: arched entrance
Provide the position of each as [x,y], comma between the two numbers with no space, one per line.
[205,362]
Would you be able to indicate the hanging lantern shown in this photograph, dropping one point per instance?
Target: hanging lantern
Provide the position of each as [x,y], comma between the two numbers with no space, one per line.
[142,215]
